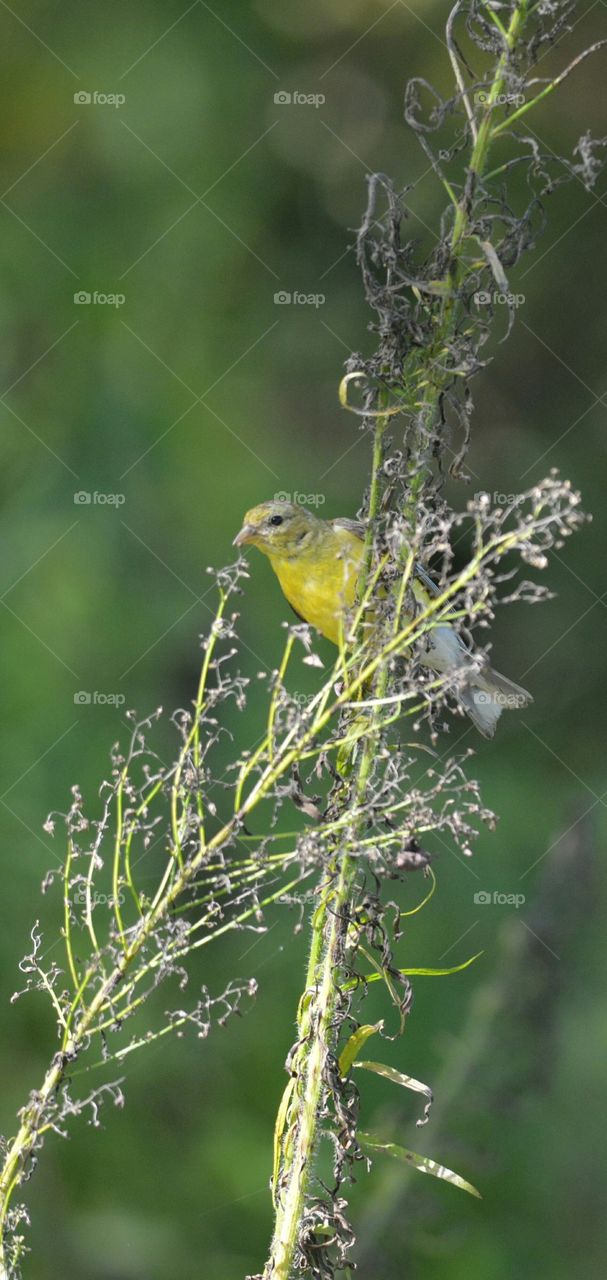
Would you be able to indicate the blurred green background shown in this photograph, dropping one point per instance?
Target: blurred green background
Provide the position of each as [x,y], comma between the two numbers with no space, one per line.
[199,198]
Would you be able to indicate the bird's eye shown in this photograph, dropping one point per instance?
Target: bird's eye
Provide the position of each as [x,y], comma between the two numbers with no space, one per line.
[275,520]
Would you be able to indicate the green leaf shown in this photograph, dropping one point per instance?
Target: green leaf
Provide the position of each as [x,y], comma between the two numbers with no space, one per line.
[352,1049]
[415,973]
[438,288]
[278,1131]
[439,973]
[381,973]
[344,763]
[398,1077]
[497,270]
[422,1163]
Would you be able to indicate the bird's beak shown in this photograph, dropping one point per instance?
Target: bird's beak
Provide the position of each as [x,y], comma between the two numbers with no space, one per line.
[245,535]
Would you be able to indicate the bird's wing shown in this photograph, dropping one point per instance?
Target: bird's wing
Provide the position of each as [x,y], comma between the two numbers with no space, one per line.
[357,527]
[351,526]
[426,580]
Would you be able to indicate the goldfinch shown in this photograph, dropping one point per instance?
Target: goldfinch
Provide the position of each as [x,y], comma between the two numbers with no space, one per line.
[318,563]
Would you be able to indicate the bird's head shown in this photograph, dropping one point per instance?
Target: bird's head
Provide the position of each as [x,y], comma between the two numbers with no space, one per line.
[278,529]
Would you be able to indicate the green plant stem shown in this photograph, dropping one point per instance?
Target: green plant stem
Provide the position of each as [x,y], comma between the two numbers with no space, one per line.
[487,129]
[316,1027]
[316,1034]
[32,1115]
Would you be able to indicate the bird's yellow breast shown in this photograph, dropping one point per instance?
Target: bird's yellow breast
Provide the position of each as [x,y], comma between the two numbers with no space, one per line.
[321,587]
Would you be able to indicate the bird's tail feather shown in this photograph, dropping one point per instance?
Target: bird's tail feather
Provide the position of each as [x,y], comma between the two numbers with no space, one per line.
[489,695]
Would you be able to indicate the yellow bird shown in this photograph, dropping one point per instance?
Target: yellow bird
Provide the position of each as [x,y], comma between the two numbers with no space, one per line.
[318,563]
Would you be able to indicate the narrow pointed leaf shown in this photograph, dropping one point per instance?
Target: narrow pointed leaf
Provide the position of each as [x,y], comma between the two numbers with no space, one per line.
[278,1131]
[417,973]
[440,973]
[422,1163]
[499,275]
[398,1077]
